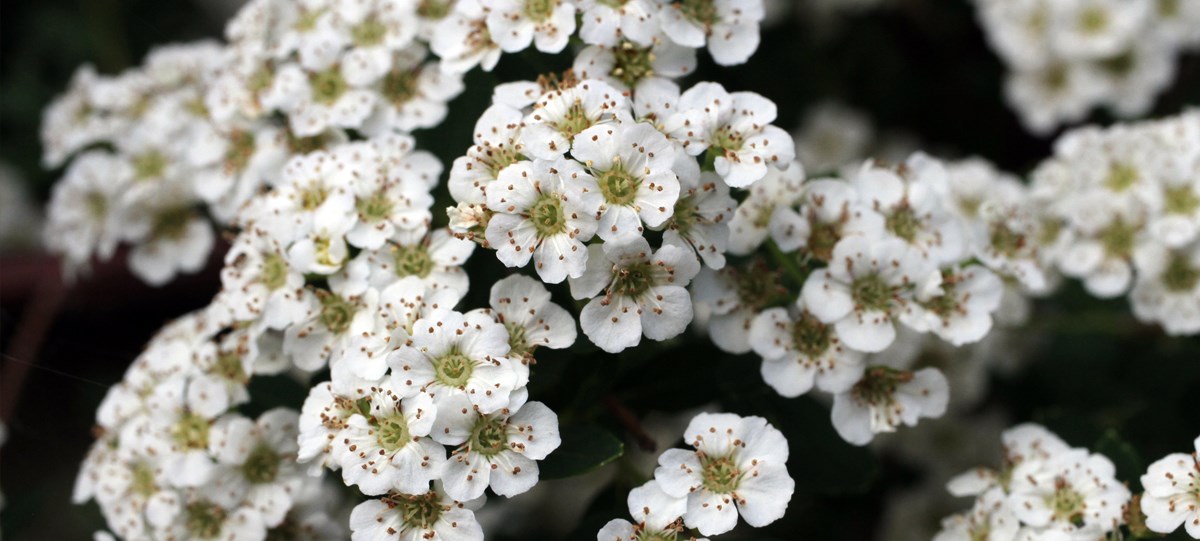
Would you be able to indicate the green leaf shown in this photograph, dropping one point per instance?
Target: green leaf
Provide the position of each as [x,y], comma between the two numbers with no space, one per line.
[584,448]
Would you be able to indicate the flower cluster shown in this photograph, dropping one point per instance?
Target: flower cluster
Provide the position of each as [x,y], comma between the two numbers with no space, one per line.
[574,175]
[1044,490]
[834,268]
[738,468]
[175,460]
[1172,496]
[1123,205]
[1066,57]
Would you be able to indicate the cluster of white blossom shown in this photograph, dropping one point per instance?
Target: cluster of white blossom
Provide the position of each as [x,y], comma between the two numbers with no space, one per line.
[140,153]
[1045,490]
[1172,496]
[578,176]
[837,266]
[174,459]
[1067,56]
[1124,204]
[737,467]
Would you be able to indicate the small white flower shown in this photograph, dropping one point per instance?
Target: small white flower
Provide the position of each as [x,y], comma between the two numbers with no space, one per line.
[989,519]
[1172,495]
[960,312]
[497,450]
[867,285]
[177,515]
[885,398]
[630,169]
[497,146]
[257,462]
[701,219]
[736,131]
[543,211]
[515,24]
[436,258]
[330,324]
[463,40]
[775,192]
[729,27]
[259,284]
[799,351]
[429,515]
[385,446]
[412,94]
[523,305]
[1167,290]
[562,113]
[643,292]
[627,65]
[657,515]
[911,202]
[452,354]
[85,213]
[739,467]
[733,296]
[391,184]
[1073,489]
[607,22]
[828,211]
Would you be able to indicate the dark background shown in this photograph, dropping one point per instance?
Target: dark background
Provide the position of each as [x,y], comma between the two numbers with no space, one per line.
[1096,376]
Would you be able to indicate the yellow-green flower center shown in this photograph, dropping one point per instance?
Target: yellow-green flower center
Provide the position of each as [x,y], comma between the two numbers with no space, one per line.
[204,519]
[489,436]
[1118,238]
[720,474]
[810,337]
[618,186]
[191,431]
[368,33]
[871,293]
[453,369]
[412,261]
[632,63]
[149,165]
[327,86]
[375,208]
[1180,276]
[633,280]
[547,216]
[336,313]
[539,10]
[392,433]
[400,85]
[904,223]
[274,271]
[262,465]
[171,223]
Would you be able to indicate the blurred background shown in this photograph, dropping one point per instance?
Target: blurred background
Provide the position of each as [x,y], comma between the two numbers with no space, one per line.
[890,79]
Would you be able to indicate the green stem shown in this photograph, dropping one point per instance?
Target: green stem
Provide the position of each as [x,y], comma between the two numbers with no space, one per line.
[788,264]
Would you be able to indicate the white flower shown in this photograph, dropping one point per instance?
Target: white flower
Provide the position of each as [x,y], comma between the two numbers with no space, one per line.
[1172,495]
[430,515]
[701,219]
[657,515]
[176,515]
[451,354]
[739,466]
[911,202]
[412,94]
[312,196]
[463,40]
[751,221]
[630,168]
[497,146]
[562,113]
[523,305]
[543,211]
[386,446]
[643,292]
[1070,490]
[85,212]
[828,211]
[799,351]
[886,398]
[391,184]
[515,24]
[733,296]
[608,22]
[330,323]
[988,519]
[960,312]
[627,65]
[436,258]
[729,27]
[257,462]
[1095,28]
[258,283]
[1167,290]
[736,131]
[867,285]
[497,450]
[1109,231]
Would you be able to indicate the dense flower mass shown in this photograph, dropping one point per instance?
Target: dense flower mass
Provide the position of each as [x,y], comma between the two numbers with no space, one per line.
[654,206]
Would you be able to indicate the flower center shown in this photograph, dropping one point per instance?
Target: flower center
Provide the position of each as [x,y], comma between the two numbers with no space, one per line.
[904,223]
[239,151]
[1067,504]
[434,9]
[274,272]
[517,343]
[547,215]
[418,512]
[400,86]
[539,10]
[489,436]
[204,519]
[229,366]
[757,284]
[143,480]
[574,121]
[618,186]
[327,86]
[97,205]
[633,280]
[191,431]
[171,223]
[392,433]
[879,384]
[262,466]
[632,63]
[1180,276]
[1168,8]
[1093,20]
[312,196]
[811,337]
[1118,238]
[872,293]
[946,304]
[375,208]
[1180,200]
[336,313]
[703,12]
[822,239]
[1121,64]
[368,33]
[499,157]
[685,216]
[1005,241]
[149,164]
[1121,177]
[453,369]
[720,474]
[412,261]
[305,145]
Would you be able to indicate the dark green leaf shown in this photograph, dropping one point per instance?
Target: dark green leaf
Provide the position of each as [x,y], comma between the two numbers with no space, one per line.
[584,448]
[1124,457]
